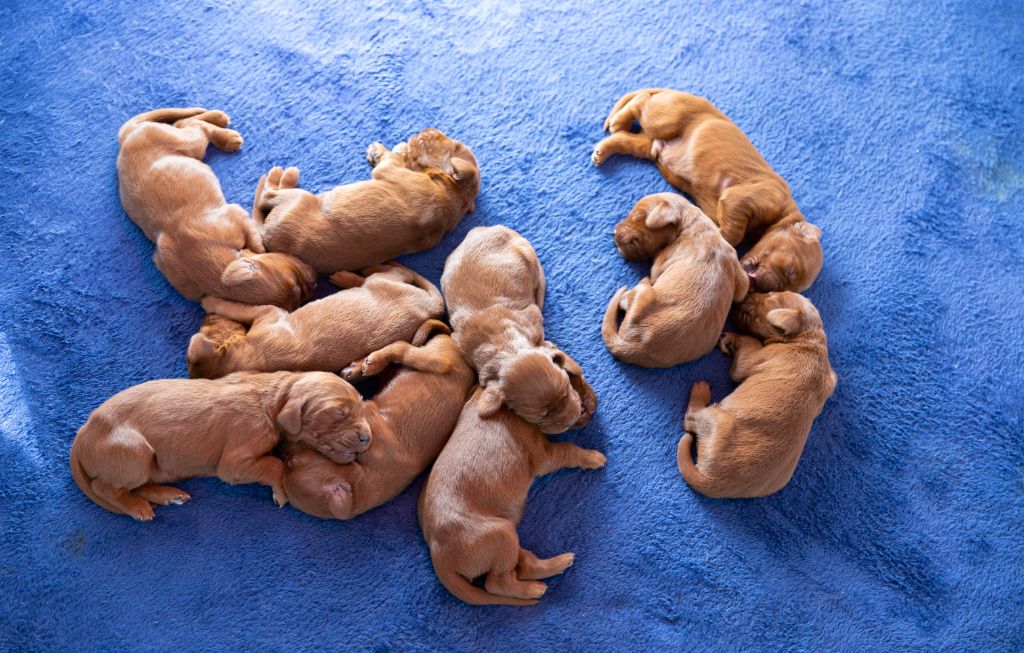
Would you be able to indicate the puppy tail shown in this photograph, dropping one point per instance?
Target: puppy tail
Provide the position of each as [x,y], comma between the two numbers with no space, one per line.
[158,115]
[83,481]
[464,590]
[620,347]
[692,475]
[428,329]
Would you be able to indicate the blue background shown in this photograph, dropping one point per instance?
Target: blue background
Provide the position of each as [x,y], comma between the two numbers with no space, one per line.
[899,129]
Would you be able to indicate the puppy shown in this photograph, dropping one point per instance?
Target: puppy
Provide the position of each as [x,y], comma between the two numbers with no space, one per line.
[474,499]
[494,287]
[675,315]
[411,418]
[704,154]
[204,246]
[749,444]
[385,306]
[418,192]
[169,430]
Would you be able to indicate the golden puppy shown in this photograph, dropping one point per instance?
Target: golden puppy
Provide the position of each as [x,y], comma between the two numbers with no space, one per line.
[411,418]
[749,444]
[675,315]
[474,499]
[418,192]
[387,305]
[704,154]
[170,430]
[494,287]
[204,246]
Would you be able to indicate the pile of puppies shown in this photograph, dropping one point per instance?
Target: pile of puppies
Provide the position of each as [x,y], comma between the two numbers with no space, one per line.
[747,445]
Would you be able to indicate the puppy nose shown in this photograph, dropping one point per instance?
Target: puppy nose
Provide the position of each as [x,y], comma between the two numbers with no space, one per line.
[364,438]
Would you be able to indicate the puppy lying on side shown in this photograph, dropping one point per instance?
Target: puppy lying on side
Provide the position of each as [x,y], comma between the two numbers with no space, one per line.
[675,315]
[170,430]
[386,306]
[418,192]
[494,287]
[204,246]
[749,444]
[474,499]
[704,154]
[411,418]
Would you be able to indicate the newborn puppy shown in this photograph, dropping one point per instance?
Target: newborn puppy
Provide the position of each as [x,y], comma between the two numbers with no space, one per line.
[204,246]
[704,154]
[386,306]
[675,315]
[418,192]
[411,418]
[474,499]
[170,430]
[494,287]
[749,444]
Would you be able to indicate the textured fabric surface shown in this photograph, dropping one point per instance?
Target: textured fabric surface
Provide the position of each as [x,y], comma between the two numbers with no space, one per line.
[899,129]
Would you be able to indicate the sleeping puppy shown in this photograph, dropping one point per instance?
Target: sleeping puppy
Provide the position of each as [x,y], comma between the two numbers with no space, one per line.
[418,192]
[494,287]
[204,246]
[385,306]
[170,430]
[411,417]
[704,154]
[749,444]
[675,315]
[474,499]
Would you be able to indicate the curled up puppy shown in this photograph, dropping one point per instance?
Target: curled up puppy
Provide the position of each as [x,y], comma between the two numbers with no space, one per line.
[748,445]
[386,305]
[704,154]
[204,246]
[417,193]
[174,429]
[677,313]
[494,287]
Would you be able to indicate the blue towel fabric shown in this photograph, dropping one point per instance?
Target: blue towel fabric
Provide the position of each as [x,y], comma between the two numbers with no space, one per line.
[899,129]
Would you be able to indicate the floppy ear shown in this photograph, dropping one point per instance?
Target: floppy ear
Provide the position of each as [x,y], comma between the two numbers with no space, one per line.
[663,215]
[199,348]
[289,419]
[463,171]
[238,271]
[563,360]
[786,320]
[808,230]
[490,401]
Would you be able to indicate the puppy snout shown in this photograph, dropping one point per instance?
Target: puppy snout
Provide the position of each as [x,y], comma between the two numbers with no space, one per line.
[364,438]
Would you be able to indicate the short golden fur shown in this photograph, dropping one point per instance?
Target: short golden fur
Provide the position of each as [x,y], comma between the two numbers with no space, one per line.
[748,445]
[204,246]
[676,314]
[704,154]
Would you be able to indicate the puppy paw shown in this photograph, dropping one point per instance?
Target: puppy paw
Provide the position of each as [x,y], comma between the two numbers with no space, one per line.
[274,178]
[374,153]
[700,394]
[353,372]
[597,157]
[230,141]
[280,496]
[209,303]
[142,512]
[727,344]
[592,459]
[374,364]
[290,178]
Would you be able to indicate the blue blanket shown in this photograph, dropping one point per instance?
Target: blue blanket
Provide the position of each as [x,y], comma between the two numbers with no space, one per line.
[899,129]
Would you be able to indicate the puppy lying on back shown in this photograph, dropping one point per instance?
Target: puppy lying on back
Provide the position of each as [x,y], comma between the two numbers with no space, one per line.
[204,246]
[675,315]
[704,154]
[749,444]
[411,418]
[327,334]
[474,499]
[418,192]
[494,287]
[170,430]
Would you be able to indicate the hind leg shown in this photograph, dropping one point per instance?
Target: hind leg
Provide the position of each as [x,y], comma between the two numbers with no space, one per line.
[162,495]
[700,397]
[623,142]
[505,583]
[213,126]
[124,500]
[621,118]
[533,568]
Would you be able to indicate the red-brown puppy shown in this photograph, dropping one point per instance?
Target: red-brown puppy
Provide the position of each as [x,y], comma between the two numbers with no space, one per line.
[411,418]
[675,315]
[704,154]
[418,192]
[474,499]
[749,444]
[204,246]
[174,429]
[386,306]
[494,287]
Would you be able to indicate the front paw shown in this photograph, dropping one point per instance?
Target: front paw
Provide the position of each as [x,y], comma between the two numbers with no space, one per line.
[280,496]
[231,141]
[374,364]
[598,156]
[374,153]
[727,344]
[593,459]
[353,372]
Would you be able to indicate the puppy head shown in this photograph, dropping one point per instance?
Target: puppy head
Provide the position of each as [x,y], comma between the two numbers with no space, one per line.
[536,386]
[654,222]
[325,413]
[452,162]
[588,398]
[209,350]
[777,316]
[272,278]
[787,257]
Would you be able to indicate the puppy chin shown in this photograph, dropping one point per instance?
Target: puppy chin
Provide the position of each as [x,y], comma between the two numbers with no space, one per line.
[341,457]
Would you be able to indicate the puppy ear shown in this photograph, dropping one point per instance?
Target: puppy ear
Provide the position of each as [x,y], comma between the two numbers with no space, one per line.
[490,401]
[463,171]
[786,320]
[199,348]
[238,271]
[289,419]
[662,215]
[808,230]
